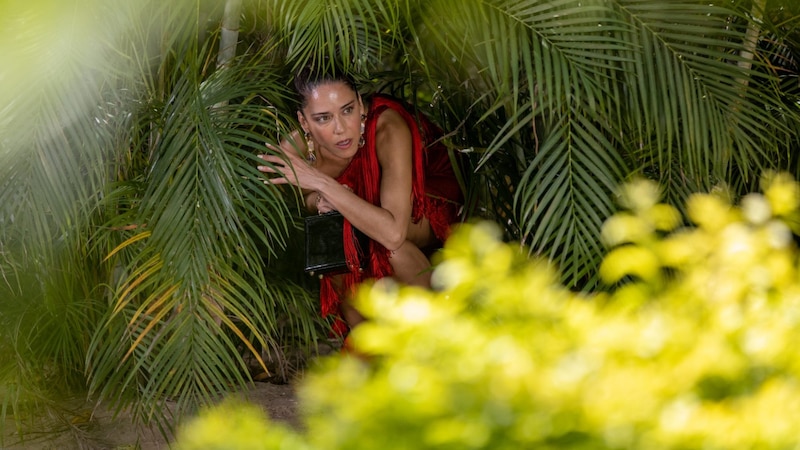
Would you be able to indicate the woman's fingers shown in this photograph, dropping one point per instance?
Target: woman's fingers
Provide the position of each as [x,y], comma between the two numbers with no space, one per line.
[286,163]
[277,166]
[324,206]
[270,168]
[280,149]
[279,180]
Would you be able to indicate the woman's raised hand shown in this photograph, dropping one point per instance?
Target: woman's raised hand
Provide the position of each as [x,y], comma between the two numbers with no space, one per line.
[287,162]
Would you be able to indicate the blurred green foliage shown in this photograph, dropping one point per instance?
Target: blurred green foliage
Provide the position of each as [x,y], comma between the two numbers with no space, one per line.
[691,348]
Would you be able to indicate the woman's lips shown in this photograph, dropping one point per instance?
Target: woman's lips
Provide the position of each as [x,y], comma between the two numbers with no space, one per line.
[344,144]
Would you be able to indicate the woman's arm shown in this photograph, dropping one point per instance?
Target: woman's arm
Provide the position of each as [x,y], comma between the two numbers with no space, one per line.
[388,223]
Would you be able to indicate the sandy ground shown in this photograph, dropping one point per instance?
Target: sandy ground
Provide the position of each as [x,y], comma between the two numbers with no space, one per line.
[102,431]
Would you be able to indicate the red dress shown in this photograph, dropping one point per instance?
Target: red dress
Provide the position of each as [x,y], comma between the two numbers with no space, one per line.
[435,194]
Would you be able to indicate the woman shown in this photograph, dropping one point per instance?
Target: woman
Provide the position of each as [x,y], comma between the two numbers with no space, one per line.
[369,159]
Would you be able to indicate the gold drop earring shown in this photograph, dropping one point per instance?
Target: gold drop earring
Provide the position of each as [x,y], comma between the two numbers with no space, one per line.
[311,157]
[362,141]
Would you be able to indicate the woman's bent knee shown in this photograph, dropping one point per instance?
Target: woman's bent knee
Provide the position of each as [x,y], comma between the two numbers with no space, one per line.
[410,265]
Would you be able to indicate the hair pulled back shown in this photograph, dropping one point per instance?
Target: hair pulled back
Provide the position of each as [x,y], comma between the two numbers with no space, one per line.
[310,77]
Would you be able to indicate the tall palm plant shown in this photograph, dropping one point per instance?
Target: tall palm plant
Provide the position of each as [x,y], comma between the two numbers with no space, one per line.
[141,251]
[199,235]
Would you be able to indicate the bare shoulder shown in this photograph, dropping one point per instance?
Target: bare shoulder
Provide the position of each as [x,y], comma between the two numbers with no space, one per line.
[391,130]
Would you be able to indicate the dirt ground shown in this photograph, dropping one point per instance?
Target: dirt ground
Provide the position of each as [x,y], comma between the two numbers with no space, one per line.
[104,432]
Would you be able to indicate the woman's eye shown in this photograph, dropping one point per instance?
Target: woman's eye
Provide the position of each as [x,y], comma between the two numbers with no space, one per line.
[348,110]
[323,119]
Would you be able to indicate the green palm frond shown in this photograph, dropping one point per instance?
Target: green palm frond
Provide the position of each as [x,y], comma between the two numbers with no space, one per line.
[354,32]
[537,63]
[196,283]
[134,201]
[566,195]
[688,88]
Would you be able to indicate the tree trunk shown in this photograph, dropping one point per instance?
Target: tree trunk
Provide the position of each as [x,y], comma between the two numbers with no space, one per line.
[751,37]
[230,33]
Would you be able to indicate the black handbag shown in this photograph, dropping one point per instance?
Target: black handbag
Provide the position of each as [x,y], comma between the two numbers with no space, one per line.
[324,252]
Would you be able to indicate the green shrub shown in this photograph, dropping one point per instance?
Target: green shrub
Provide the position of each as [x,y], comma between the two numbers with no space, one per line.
[692,349]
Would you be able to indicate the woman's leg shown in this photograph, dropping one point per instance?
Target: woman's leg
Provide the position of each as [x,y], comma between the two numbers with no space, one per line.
[410,264]
[349,313]
[411,267]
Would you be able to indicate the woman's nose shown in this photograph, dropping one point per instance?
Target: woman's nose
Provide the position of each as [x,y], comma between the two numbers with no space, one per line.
[338,126]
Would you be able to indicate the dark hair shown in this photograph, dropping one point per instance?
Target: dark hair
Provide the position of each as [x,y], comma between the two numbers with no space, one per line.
[311,77]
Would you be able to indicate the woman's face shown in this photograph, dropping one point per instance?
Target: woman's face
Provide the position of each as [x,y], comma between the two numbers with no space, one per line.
[333,117]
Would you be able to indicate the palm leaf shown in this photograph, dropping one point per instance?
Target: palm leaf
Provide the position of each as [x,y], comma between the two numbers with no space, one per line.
[196,283]
[350,31]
